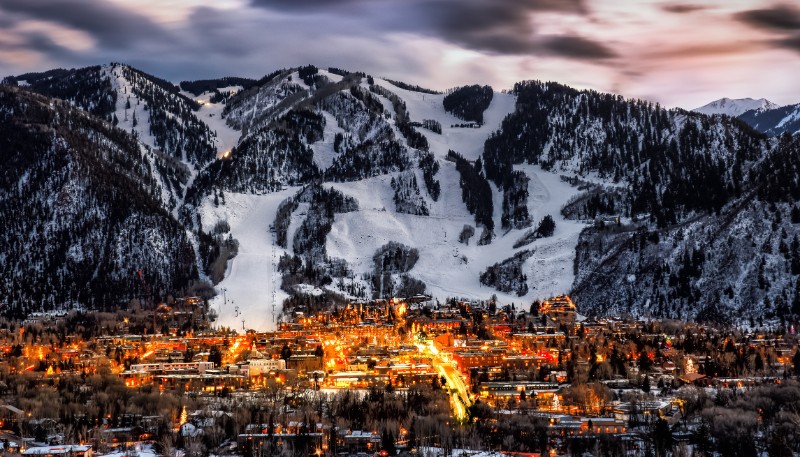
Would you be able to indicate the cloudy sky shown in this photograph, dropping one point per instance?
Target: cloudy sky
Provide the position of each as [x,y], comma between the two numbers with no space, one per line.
[678,53]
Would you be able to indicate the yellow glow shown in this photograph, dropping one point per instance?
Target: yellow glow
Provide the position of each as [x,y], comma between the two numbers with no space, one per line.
[184,416]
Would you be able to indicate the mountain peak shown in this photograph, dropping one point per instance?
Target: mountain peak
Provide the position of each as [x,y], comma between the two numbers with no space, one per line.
[735,107]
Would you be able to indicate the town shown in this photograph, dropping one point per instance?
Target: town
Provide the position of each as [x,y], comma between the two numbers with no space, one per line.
[397,376]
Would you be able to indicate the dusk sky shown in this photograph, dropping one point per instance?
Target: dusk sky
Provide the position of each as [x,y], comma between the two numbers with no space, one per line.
[677,53]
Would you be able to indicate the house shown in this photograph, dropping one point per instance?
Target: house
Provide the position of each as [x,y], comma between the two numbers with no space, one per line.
[69,450]
[356,441]
[261,366]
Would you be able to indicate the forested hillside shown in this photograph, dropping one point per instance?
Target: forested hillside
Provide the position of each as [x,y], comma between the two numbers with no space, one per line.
[705,203]
[80,212]
[665,212]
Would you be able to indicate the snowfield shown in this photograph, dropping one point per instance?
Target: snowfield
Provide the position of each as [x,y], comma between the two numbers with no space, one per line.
[323,150]
[448,268]
[211,115]
[550,270]
[735,107]
[466,141]
[251,285]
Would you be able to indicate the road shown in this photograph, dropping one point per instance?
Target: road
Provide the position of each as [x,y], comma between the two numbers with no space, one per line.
[460,397]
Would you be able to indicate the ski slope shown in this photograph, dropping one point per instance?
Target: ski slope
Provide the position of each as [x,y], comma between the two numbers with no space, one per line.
[251,285]
[211,114]
[550,270]
[466,141]
[447,267]
[450,268]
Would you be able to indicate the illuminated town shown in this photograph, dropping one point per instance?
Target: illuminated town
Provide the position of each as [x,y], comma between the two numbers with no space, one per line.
[398,376]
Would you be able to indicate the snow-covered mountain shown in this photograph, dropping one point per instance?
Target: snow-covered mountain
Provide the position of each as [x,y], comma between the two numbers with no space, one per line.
[311,187]
[81,211]
[735,107]
[774,122]
[362,141]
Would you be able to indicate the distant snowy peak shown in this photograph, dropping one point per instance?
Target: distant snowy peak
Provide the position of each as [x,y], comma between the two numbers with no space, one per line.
[735,107]
[774,122]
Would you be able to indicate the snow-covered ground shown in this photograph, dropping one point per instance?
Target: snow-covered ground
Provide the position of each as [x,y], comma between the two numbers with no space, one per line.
[138,108]
[735,107]
[323,150]
[211,115]
[550,269]
[139,449]
[447,267]
[450,268]
[251,285]
[437,451]
[141,114]
[466,141]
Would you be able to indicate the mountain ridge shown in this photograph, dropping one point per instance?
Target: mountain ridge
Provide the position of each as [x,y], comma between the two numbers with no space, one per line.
[735,107]
[290,150]
[775,122]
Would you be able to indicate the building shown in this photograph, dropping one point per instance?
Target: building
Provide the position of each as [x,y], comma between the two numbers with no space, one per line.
[254,443]
[199,367]
[501,389]
[477,359]
[304,363]
[264,366]
[69,450]
[564,426]
[560,309]
[356,441]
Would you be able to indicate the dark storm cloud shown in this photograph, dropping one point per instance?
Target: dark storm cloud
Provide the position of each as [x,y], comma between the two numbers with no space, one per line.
[492,26]
[578,47]
[791,43]
[40,42]
[683,8]
[778,18]
[214,32]
[303,5]
[35,41]
[111,25]
[498,26]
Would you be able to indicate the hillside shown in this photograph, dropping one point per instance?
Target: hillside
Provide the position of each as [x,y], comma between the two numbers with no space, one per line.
[356,139]
[308,187]
[81,212]
[774,122]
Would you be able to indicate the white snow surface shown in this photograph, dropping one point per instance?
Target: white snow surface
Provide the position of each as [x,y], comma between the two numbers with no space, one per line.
[735,107]
[791,117]
[437,451]
[447,267]
[332,76]
[466,141]
[125,117]
[450,268]
[323,150]
[124,90]
[140,449]
[251,278]
[211,114]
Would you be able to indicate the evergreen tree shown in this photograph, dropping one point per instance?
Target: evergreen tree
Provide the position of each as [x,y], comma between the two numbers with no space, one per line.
[547,226]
